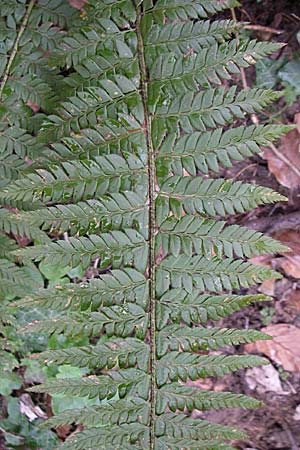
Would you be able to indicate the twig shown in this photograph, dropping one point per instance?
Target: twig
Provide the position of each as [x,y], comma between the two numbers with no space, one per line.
[263,28]
[244,170]
[15,47]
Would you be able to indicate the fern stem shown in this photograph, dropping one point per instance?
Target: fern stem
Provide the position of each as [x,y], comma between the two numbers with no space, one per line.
[15,46]
[152,222]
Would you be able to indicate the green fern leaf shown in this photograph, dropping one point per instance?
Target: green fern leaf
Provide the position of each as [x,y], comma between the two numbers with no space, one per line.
[214,275]
[179,305]
[194,235]
[175,337]
[126,382]
[116,288]
[115,321]
[176,366]
[211,197]
[133,114]
[118,412]
[130,352]
[178,397]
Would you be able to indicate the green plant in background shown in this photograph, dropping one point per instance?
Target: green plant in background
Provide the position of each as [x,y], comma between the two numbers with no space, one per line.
[123,200]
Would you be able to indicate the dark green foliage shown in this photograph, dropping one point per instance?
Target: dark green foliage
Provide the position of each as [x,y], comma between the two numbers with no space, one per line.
[112,119]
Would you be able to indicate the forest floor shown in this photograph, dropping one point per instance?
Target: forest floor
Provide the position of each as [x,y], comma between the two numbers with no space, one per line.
[277,424]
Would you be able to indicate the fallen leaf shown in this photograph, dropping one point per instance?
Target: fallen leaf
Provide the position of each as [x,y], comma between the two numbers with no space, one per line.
[268,287]
[30,410]
[264,379]
[291,261]
[291,265]
[283,349]
[290,150]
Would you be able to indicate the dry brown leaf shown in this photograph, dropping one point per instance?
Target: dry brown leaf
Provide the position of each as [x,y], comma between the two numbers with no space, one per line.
[264,379]
[291,261]
[268,287]
[291,265]
[284,349]
[289,149]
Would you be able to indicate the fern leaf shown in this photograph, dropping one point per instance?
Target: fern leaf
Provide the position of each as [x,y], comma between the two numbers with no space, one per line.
[177,9]
[214,149]
[164,444]
[7,246]
[119,321]
[204,110]
[178,397]
[133,112]
[211,197]
[176,366]
[126,382]
[180,38]
[183,427]
[179,305]
[93,105]
[78,180]
[117,412]
[128,247]
[214,275]
[194,235]
[117,211]
[17,141]
[186,339]
[116,288]
[128,352]
[126,436]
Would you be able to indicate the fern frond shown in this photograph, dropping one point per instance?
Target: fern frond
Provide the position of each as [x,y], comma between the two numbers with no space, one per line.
[126,436]
[13,279]
[31,88]
[117,412]
[7,246]
[180,426]
[164,444]
[213,275]
[14,140]
[125,382]
[213,197]
[83,45]
[177,9]
[122,321]
[116,288]
[133,112]
[17,224]
[200,111]
[128,352]
[178,397]
[179,305]
[89,107]
[180,38]
[214,149]
[116,211]
[194,235]
[126,247]
[186,339]
[78,180]
[176,366]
